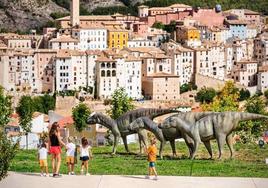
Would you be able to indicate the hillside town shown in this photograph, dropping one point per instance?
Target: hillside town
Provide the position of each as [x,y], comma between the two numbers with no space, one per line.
[95,55]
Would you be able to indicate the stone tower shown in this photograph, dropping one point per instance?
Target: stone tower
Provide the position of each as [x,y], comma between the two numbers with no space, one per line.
[75,13]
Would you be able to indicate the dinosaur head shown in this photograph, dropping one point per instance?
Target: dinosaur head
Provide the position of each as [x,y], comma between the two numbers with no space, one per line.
[136,125]
[93,118]
[169,122]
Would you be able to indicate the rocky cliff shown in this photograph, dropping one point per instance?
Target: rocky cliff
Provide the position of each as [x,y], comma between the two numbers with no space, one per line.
[26,14]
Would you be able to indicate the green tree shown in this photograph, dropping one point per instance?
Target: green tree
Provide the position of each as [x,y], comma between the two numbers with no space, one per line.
[80,114]
[25,110]
[255,105]
[244,94]
[5,108]
[187,87]
[158,25]
[206,95]
[7,148]
[266,94]
[7,153]
[120,103]
[250,131]
[226,100]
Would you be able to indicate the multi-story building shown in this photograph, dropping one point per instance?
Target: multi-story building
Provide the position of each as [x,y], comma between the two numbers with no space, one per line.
[45,69]
[238,28]
[188,35]
[182,61]
[261,48]
[17,41]
[20,70]
[161,86]
[71,70]
[117,37]
[64,42]
[91,38]
[263,78]
[117,69]
[245,72]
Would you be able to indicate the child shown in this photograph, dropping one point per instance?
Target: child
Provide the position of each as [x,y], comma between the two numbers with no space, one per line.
[42,157]
[151,152]
[85,155]
[70,153]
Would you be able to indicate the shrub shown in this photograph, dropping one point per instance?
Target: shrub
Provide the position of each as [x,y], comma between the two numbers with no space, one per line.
[7,153]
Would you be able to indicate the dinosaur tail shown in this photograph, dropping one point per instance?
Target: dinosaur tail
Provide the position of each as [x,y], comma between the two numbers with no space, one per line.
[158,112]
[243,116]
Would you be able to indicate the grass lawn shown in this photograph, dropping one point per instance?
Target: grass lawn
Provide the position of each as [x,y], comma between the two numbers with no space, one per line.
[249,161]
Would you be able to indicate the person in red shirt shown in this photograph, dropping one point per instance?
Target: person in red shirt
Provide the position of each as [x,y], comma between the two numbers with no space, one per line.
[151,152]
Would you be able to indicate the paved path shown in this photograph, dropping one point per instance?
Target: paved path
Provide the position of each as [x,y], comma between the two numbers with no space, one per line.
[17,180]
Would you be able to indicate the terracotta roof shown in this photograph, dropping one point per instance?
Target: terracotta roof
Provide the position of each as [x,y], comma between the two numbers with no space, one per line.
[105,59]
[93,52]
[162,74]
[2,44]
[64,38]
[246,61]
[236,22]
[89,17]
[160,9]
[145,49]
[45,51]
[65,121]
[178,5]
[10,36]
[69,53]
[263,68]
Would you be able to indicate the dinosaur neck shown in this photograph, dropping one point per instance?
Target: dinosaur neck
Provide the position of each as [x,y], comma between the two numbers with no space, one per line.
[153,127]
[106,121]
[183,126]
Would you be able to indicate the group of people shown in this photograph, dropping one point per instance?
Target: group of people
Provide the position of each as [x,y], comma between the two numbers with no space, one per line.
[53,147]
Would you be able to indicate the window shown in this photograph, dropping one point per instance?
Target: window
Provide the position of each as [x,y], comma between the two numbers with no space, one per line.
[113,73]
[108,73]
[113,65]
[102,73]
[103,65]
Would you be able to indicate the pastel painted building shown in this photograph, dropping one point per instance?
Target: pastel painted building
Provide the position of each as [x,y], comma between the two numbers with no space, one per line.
[45,69]
[161,86]
[261,48]
[238,28]
[245,73]
[263,78]
[117,37]
[188,35]
[64,42]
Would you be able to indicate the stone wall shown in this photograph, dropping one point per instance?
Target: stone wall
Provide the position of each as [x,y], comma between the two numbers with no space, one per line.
[205,81]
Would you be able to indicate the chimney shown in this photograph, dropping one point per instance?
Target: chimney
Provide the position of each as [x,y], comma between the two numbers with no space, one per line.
[75,20]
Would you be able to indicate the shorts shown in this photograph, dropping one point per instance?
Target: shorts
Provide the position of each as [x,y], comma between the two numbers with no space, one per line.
[151,164]
[43,163]
[55,150]
[69,160]
[85,158]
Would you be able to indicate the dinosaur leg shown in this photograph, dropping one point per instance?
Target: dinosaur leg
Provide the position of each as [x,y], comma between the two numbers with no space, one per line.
[229,141]
[161,148]
[172,143]
[189,143]
[116,139]
[208,146]
[125,143]
[221,139]
[142,138]
[196,144]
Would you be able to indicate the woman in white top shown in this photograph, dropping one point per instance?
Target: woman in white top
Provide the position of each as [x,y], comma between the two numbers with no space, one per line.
[85,155]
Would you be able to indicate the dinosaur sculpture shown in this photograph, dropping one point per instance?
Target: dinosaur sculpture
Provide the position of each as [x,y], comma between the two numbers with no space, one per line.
[119,127]
[170,133]
[217,126]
